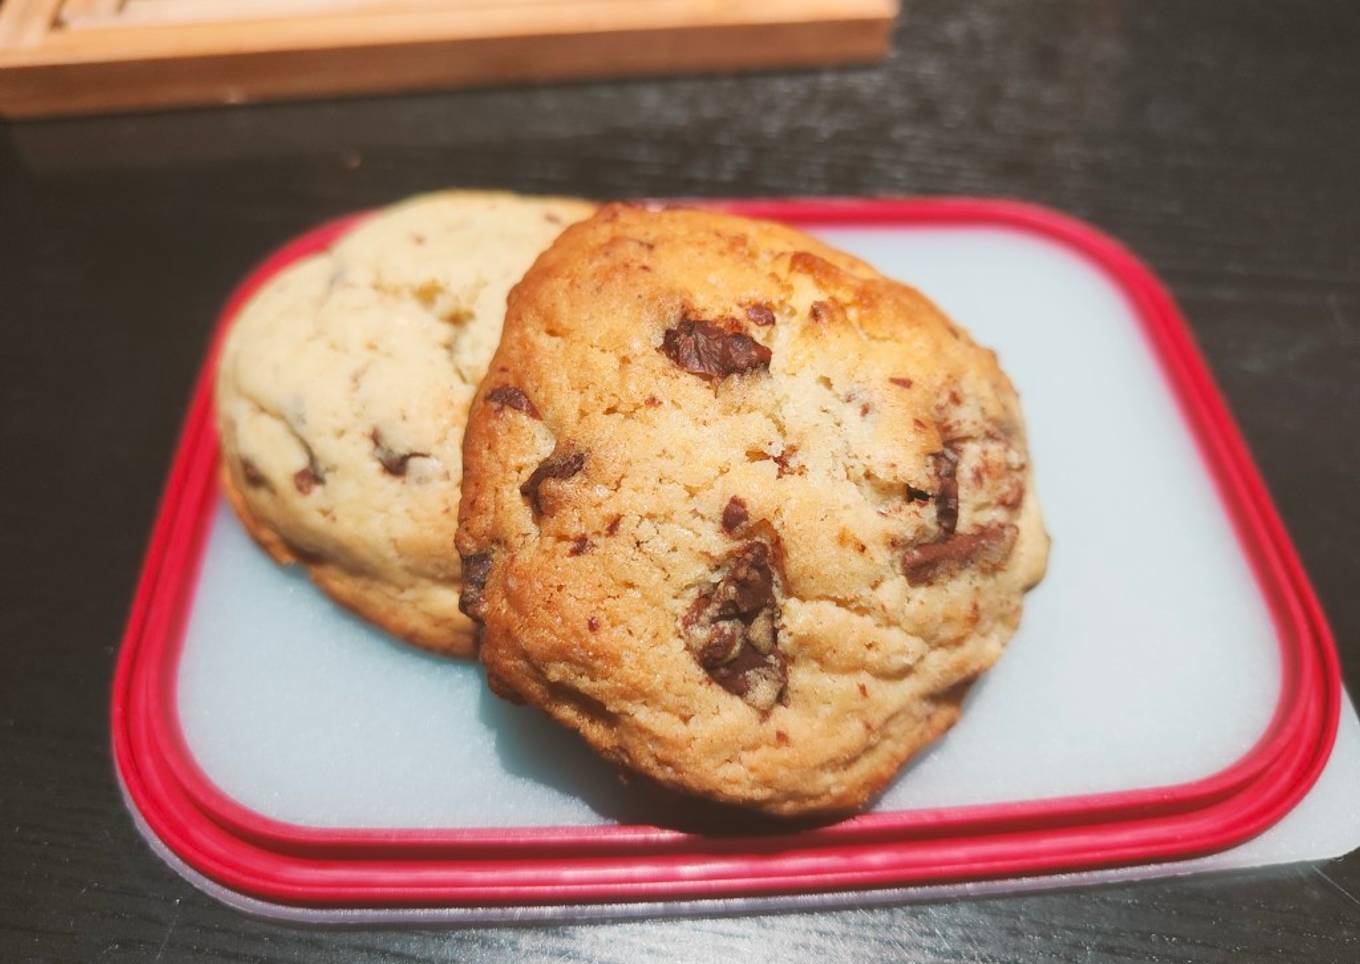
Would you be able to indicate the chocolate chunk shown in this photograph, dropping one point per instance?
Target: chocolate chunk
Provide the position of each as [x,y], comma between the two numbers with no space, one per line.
[559,465]
[253,476]
[945,465]
[917,495]
[760,314]
[393,461]
[712,352]
[748,586]
[985,549]
[476,569]
[508,396]
[724,643]
[734,515]
[732,629]
[304,480]
[784,460]
[759,678]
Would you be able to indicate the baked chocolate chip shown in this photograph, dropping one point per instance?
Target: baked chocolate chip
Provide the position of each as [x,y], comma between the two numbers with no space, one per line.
[945,464]
[759,678]
[613,527]
[917,495]
[704,349]
[476,569]
[734,515]
[304,480]
[559,465]
[820,311]
[760,314]
[253,476]
[593,624]
[986,549]
[508,396]
[579,546]
[902,382]
[732,629]
[748,586]
[784,460]
[393,462]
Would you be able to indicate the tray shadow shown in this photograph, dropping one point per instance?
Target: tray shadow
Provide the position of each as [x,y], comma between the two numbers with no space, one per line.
[531,745]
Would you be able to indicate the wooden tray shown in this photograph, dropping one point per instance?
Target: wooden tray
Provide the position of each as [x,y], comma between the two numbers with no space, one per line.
[88,56]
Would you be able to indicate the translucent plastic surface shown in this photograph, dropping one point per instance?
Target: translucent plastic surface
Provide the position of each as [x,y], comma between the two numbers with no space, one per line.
[1146,657]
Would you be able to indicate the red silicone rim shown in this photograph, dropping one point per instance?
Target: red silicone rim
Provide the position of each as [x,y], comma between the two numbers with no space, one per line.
[309,866]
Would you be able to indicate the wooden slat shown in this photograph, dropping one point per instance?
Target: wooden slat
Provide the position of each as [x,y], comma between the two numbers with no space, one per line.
[76,11]
[163,65]
[26,22]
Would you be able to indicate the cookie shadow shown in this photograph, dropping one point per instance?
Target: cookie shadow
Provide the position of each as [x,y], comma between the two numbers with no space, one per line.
[532,746]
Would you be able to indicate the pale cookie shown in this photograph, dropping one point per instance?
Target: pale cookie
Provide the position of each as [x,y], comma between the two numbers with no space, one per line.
[342,393]
[743,512]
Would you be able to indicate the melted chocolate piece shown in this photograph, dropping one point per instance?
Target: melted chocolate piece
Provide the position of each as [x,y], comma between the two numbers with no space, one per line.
[561,465]
[732,629]
[712,352]
[393,462]
[986,549]
[508,396]
[304,480]
[760,315]
[734,515]
[476,569]
[749,670]
[253,476]
[946,465]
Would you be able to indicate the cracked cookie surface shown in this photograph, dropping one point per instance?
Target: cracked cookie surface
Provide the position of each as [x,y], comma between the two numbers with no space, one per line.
[743,512]
[343,389]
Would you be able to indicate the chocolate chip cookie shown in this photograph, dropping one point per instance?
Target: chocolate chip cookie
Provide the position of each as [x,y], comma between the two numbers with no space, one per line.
[342,393]
[745,513]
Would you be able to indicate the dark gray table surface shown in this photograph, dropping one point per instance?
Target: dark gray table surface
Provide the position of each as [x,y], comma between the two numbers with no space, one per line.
[1220,140]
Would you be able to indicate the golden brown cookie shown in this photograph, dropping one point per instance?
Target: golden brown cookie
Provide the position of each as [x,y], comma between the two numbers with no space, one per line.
[343,389]
[746,514]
